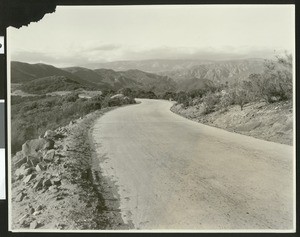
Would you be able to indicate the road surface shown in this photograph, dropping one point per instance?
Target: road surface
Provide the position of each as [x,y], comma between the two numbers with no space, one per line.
[173,173]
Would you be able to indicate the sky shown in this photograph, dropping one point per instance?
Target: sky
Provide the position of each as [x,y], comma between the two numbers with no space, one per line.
[79,35]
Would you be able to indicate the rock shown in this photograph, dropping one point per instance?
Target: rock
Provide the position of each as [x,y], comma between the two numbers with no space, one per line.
[19,177]
[29,178]
[53,189]
[28,171]
[40,167]
[20,162]
[20,171]
[31,147]
[49,155]
[38,185]
[60,226]
[24,217]
[39,208]
[49,134]
[20,197]
[33,161]
[49,144]
[37,213]
[34,224]
[56,159]
[47,183]
[31,210]
[56,181]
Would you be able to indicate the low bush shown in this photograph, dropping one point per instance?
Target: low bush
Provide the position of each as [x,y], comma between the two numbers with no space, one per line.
[32,116]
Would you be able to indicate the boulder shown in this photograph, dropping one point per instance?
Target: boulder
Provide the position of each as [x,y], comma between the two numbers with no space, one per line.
[49,134]
[31,147]
[49,156]
[49,144]
[28,178]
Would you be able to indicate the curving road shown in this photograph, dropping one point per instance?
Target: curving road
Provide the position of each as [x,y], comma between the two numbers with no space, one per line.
[173,173]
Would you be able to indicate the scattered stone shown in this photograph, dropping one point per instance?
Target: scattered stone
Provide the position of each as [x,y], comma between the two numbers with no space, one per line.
[49,155]
[53,189]
[56,181]
[31,210]
[33,161]
[31,147]
[40,167]
[49,134]
[20,171]
[38,185]
[20,197]
[20,162]
[49,144]
[60,226]
[24,217]
[57,160]
[37,213]
[28,171]
[47,183]
[29,178]
[39,208]
[34,224]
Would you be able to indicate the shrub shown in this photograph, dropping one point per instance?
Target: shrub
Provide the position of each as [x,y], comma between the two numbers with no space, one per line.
[276,82]
[210,100]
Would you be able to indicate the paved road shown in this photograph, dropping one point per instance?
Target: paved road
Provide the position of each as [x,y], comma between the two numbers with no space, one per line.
[173,173]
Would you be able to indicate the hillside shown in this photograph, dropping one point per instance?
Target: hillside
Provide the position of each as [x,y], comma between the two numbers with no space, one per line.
[178,75]
[134,79]
[51,84]
[188,74]
[25,72]
[219,72]
[42,78]
[152,66]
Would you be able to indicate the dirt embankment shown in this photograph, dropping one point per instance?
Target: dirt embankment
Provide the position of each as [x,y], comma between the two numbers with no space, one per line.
[54,185]
[271,122]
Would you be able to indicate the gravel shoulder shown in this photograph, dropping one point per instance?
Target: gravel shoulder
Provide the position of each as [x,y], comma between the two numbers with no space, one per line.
[57,188]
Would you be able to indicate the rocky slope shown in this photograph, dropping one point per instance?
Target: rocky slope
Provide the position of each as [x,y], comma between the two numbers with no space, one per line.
[54,185]
[271,122]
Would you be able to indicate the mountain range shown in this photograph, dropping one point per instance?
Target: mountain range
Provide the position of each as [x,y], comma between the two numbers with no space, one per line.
[177,75]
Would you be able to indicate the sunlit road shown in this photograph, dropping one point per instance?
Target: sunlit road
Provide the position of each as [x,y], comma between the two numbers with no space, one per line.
[173,173]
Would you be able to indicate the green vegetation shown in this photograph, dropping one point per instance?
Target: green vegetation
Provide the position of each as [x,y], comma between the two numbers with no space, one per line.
[32,116]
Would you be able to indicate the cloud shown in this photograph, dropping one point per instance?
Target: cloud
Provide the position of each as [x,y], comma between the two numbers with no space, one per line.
[106,47]
[109,52]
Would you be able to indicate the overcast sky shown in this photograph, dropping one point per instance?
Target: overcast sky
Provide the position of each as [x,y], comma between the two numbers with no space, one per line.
[82,35]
